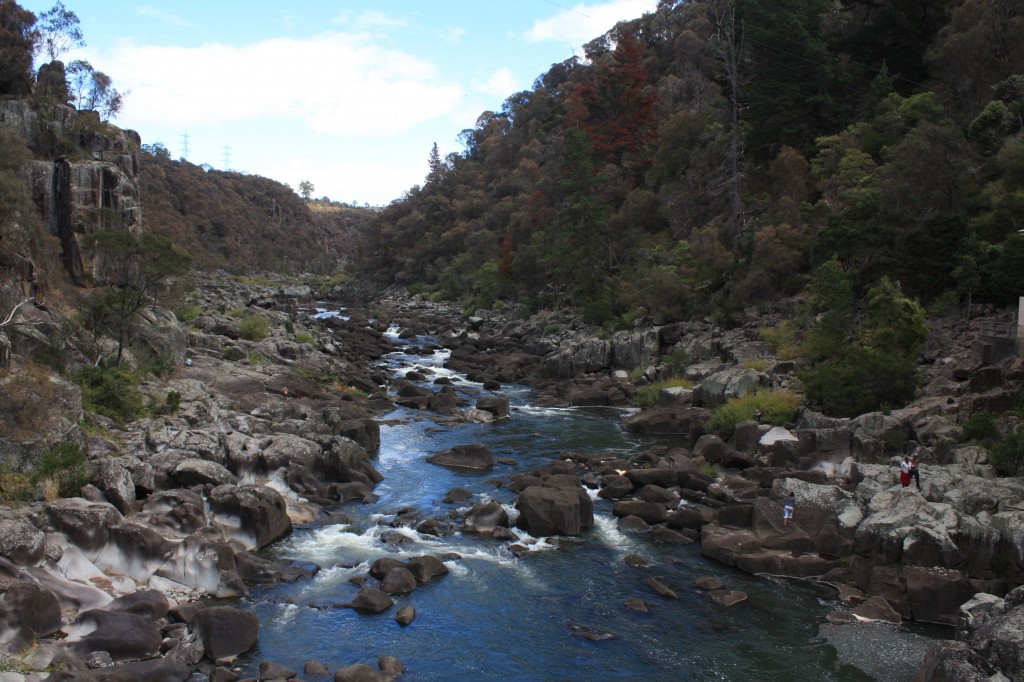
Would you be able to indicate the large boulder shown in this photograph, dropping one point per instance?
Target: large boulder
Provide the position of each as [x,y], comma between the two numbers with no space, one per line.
[687,421]
[86,524]
[174,513]
[287,448]
[549,511]
[195,471]
[475,456]
[485,518]
[204,562]
[27,611]
[223,630]
[990,646]
[110,475]
[346,461]
[125,636]
[21,543]
[254,515]
[734,382]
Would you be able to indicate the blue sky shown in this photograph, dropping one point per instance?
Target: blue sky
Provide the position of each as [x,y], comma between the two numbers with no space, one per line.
[349,95]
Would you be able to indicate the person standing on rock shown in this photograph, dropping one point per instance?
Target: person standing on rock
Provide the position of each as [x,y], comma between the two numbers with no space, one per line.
[915,468]
[787,508]
[905,471]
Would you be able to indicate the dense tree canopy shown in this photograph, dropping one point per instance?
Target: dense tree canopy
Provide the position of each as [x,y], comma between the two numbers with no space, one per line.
[709,155]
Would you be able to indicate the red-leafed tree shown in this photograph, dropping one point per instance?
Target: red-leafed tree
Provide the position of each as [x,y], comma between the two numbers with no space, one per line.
[614,104]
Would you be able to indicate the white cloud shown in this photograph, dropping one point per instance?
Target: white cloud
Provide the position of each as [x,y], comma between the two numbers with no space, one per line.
[582,23]
[500,84]
[337,83]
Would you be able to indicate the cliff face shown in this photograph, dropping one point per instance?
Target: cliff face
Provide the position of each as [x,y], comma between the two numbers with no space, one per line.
[84,176]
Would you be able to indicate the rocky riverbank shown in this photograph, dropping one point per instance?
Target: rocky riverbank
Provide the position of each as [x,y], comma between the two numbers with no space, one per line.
[252,437]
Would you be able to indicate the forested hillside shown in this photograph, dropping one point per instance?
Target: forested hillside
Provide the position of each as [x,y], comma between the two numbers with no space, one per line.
[243,223]
[714,155]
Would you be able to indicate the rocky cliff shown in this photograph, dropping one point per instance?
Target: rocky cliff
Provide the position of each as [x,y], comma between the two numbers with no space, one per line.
[84,173]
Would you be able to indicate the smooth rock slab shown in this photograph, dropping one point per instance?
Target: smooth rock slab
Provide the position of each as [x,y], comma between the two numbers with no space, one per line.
[474,456]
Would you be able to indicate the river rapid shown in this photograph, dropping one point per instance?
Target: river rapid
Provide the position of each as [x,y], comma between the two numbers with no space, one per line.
[558,613]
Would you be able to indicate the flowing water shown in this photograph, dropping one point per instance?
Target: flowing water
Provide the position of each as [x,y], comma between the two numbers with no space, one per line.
[557,614]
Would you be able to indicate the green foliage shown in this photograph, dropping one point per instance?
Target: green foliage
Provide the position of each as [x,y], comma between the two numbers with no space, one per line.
[256,359]
[709,470]
[980,426]
[944,304]
[135,269]
[756,364]
[60,471]
[860,380]
[173,401]
[782,339]
[65,466]
[677,361]
[304,337]
[111,391]
[870,367]
[162,365]
[254,327]
[1007,456]
[16,43]
[776,407]
[187,313]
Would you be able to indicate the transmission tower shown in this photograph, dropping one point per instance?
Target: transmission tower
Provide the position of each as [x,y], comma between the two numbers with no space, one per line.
[184,146]
[227,158]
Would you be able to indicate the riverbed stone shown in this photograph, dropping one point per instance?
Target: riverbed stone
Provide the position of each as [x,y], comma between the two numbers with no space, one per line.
[474,456]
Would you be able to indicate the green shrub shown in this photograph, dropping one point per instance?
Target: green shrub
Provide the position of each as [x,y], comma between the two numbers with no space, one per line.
[782,339]
[187,313]
[236,313]
[256,359]
[304,337]
[980,426]
[162,365]
[776,407]
[756,364]
[677,361]
[111,391]
[173,401]
[254,328]
[862,381]
[1007,456]
[944,304]
[64,465]
[709,470]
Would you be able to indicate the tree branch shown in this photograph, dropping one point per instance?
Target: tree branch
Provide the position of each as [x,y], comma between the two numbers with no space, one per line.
[14,311]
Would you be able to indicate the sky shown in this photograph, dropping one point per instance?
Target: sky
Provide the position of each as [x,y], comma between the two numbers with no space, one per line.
[349,95]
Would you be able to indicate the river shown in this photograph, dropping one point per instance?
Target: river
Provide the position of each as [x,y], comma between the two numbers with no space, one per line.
[557,614]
